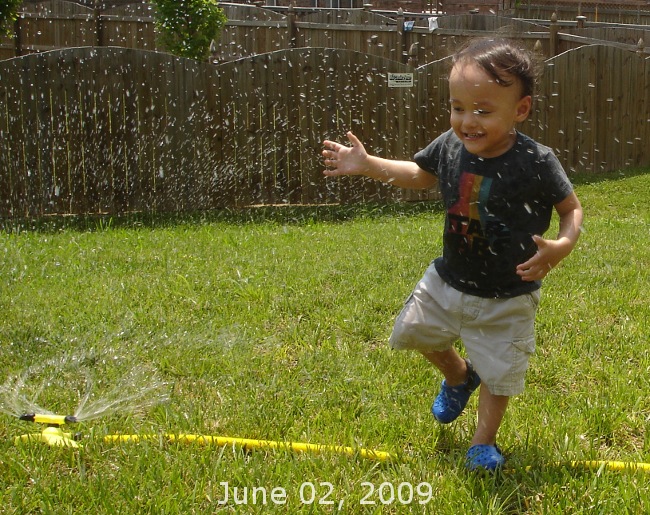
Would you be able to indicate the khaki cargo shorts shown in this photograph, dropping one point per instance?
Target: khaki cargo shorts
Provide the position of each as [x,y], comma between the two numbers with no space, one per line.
[498,334]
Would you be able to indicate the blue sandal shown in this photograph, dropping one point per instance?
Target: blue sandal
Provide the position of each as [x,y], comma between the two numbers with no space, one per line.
[484,457]
[451,400]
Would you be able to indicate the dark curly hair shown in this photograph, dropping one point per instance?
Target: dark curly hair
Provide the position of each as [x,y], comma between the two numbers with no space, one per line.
[502,60]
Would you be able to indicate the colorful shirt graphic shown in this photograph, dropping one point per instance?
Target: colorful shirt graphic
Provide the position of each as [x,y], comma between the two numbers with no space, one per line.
[469,217]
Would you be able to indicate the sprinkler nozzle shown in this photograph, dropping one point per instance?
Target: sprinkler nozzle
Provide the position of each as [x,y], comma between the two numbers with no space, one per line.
[52,420]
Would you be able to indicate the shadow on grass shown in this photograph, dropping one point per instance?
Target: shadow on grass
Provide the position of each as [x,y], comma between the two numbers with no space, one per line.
[283,215]
[581,179]
[520,487]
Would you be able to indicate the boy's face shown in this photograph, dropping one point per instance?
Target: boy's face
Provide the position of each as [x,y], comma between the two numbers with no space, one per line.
[484,113]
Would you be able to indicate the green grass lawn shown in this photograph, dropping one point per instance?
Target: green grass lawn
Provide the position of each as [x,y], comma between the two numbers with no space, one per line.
[272,324]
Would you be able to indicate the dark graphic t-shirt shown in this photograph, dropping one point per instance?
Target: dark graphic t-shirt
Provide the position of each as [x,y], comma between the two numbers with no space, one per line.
[494,207]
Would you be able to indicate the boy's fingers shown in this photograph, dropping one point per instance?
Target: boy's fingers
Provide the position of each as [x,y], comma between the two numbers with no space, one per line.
[353,139]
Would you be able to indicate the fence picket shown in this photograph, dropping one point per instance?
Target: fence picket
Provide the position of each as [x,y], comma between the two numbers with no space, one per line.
[11,146]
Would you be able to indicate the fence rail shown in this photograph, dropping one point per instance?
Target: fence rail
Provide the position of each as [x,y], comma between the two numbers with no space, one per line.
[114,130]
[251,30]
[595,11]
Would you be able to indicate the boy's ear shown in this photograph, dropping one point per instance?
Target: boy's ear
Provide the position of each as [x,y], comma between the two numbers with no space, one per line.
[523,108]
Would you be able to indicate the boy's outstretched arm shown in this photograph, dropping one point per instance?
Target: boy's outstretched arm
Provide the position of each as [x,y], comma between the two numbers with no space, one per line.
[354,160]
[551,252]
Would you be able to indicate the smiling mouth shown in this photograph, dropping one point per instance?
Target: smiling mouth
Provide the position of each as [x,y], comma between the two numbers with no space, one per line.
[473,135]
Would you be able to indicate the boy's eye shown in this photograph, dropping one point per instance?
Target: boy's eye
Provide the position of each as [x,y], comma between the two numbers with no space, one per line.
[480,112]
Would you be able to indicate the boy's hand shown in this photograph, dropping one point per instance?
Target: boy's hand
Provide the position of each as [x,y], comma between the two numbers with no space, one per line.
[354,160]
[549,254]
[342,160]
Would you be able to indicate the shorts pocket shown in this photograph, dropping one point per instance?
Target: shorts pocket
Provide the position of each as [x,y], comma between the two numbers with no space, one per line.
[408,299]
[530,300]
[535,297]
[525,345]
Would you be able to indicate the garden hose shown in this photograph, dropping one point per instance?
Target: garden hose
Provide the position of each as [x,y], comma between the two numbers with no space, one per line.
[611,465]
[53,435]
[248,444]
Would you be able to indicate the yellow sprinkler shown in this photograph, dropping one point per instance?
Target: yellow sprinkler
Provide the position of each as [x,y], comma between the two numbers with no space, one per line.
[53,434]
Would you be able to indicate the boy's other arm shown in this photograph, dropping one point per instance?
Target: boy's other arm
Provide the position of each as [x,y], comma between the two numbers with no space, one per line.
[354,160]
[551,252]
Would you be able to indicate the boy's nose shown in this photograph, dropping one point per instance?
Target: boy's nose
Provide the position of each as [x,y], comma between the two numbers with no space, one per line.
[470,119]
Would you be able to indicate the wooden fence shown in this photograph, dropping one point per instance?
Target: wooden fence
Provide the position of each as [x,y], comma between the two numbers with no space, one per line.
[609,11]
[250,30]
[244,35]
[55,24]
[113,130]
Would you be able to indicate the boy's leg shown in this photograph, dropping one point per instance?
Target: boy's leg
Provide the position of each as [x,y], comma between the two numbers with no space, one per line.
[491,409]
[483,452]
[499,342]
[450,364]
[460,382]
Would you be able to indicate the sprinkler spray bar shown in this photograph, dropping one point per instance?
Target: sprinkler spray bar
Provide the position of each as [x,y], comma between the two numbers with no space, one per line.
[52,420]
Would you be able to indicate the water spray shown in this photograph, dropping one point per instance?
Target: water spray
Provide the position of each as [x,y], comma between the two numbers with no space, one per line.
[139,387]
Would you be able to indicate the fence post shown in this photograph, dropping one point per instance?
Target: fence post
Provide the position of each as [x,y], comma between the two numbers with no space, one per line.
[401,35]
[99,28]
[413,55]
[372,44]
[553,30]
[18,45]
[291,25]
[214,49]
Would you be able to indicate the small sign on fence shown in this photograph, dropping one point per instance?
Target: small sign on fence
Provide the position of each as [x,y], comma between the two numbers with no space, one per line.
[400,80]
